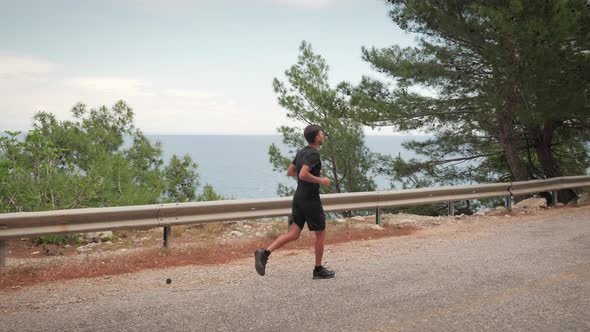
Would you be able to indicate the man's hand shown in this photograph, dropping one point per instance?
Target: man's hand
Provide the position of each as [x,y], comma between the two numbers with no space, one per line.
[325,181]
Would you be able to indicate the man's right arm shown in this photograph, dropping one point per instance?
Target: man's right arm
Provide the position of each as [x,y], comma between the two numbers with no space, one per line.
[305,175]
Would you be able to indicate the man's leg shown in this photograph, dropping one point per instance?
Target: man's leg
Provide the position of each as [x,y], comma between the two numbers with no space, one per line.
[320,238]
[261,255]
[320,272]
[292,235]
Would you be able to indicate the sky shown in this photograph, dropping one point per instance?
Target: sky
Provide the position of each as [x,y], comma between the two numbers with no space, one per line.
[185,67]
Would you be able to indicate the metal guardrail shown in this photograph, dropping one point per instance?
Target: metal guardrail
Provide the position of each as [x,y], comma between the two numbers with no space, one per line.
[30,224]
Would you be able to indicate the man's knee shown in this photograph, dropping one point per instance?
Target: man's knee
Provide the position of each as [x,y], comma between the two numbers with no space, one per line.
[294,231]
[294,236]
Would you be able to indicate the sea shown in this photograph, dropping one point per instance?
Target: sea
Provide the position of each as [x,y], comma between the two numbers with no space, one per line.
[238,166]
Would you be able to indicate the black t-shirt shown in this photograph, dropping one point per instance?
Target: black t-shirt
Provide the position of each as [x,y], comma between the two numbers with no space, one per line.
[310,157]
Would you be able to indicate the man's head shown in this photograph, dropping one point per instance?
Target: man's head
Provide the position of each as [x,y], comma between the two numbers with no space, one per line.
[313,134]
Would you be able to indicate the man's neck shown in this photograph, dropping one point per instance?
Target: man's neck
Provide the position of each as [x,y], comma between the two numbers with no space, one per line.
[314,145]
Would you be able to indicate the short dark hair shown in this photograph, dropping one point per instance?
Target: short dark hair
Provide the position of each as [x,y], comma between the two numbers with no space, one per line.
[311,132]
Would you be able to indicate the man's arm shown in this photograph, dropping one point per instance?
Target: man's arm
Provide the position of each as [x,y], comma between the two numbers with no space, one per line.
[292,170]
[305,175]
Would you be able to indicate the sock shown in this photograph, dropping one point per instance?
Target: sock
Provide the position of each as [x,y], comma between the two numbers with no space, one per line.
[267,253]
[317,268]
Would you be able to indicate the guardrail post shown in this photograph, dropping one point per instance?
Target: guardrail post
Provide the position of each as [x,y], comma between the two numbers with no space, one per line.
[377,216]
[509,203]
[167,236]
[554,198]
[451,208]
[2,253]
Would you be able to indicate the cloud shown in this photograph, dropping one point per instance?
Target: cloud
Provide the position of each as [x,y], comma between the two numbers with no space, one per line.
[159,108]
[164,109]
[313,4]
[190,94]
[24,67]
[182,4]
[121,86]
[202,101]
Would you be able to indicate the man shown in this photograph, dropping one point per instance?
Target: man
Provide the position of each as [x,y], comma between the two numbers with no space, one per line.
[307,206]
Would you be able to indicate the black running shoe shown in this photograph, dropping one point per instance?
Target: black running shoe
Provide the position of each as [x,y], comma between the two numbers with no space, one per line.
[323,273]
[260,260]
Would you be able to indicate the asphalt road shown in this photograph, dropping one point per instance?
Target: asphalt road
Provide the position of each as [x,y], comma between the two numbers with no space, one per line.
[530,274]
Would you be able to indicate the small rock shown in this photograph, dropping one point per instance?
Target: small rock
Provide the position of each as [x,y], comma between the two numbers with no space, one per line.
[340,220]
[377,227]
[35,253]
[500,209]
[583,199]
[532,203]
[359,218]
[247,227]
[507,216]
[97,236]
[236,233]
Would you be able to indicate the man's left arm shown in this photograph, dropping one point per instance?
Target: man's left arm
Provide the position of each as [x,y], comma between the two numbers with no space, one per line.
[292,170]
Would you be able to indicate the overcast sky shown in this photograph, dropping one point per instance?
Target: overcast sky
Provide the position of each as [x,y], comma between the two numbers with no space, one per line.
[185,67]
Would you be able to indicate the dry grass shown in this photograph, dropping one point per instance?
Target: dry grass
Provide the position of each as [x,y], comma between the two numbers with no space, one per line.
[208,251]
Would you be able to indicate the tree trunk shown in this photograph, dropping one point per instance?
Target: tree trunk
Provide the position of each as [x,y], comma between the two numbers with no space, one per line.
[509,144]
[542,138]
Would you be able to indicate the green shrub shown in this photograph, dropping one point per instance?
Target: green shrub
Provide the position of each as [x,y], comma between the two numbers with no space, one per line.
[58,239]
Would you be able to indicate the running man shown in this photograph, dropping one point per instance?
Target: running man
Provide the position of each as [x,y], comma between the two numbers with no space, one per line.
[307,206]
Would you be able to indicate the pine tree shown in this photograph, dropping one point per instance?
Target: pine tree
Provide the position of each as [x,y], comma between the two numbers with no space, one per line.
[503,87]
[308,98]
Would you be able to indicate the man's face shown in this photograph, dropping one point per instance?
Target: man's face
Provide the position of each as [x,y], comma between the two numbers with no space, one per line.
[320,137]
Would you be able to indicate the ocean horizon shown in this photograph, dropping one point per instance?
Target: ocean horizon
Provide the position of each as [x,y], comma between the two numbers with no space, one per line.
[238,166]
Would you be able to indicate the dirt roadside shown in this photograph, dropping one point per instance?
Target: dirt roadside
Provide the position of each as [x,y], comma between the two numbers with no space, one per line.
[222,243]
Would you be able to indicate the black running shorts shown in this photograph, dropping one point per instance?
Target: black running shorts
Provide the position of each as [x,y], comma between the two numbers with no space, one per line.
[311,212]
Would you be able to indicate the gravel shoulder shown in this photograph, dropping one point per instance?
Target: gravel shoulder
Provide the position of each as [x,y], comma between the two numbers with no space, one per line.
[286,267]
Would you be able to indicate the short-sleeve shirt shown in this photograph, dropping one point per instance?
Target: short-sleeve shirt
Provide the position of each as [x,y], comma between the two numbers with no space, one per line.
[307,191]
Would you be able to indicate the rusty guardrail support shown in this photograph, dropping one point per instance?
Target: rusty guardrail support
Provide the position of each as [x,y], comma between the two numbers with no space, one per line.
[509,203]
[2,253]
[451,208]
[167,237]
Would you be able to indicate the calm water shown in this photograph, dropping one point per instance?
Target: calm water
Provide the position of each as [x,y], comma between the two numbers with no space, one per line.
[238,166]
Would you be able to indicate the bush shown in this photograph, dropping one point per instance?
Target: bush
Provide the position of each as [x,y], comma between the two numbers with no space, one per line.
[58,239]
